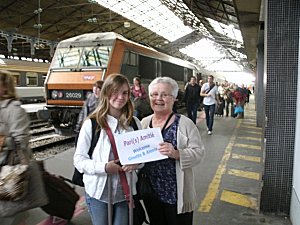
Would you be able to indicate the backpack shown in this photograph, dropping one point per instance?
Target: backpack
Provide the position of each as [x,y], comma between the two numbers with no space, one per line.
[77,176]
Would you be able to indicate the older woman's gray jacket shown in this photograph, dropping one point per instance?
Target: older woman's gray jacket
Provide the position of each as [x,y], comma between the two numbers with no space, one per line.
[14,123]
[191,150]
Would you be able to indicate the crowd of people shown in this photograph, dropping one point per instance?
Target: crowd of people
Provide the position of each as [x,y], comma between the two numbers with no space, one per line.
[215,99]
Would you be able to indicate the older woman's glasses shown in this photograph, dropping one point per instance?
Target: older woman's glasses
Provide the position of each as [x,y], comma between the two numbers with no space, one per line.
[160,95]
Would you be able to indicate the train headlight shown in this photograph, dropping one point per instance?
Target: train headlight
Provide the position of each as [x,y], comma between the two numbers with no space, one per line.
[60,94]
[54,94]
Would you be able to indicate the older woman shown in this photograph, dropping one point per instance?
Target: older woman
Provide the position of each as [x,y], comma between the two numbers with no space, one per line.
[172,179]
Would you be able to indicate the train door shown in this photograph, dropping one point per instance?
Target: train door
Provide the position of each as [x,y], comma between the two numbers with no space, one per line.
[158,68]
[130,65]
[148,69]
[186,76]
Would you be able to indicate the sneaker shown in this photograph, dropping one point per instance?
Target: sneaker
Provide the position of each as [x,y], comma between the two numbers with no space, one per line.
[209,132]
[207,129]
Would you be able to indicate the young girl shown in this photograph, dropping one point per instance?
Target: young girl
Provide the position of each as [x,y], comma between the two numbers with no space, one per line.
[101,171]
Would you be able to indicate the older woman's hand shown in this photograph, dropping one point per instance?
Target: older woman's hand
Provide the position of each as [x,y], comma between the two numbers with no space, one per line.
[130,168]
[167,149]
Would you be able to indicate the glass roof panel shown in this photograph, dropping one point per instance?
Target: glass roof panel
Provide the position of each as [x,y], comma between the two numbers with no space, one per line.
[204,50]
[224,65]
[226,30]
[211,56]
[150,14]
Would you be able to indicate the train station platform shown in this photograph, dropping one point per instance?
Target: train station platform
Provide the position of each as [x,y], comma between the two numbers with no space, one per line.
[228,181]
[32,108]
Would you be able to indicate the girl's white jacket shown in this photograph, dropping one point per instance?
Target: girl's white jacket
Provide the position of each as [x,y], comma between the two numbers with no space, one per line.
[95,177]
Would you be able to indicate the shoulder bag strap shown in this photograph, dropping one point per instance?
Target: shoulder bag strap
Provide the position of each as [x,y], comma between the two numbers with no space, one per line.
[122,174]
[133,124]
[210,88]
[166,123]
[95,136]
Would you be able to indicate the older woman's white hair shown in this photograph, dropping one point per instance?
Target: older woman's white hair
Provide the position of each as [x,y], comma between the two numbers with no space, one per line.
[165,80]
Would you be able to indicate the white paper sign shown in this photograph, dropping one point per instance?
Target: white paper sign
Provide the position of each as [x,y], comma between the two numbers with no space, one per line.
[139,146]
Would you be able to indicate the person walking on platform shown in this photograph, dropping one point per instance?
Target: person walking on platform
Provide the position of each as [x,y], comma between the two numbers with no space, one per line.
[102,170]
[201,98]
[89,105]
[210,93]
[172,179]
[239,95]
[229,100]
[14,145]
[221,93]
[192,99]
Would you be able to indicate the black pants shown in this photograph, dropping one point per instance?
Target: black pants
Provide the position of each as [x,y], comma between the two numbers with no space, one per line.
[166,214]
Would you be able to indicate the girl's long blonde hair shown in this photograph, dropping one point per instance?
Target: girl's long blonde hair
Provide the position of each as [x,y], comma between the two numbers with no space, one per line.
[111,84]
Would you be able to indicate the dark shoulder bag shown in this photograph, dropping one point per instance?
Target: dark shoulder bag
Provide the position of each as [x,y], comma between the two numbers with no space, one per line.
[77,176]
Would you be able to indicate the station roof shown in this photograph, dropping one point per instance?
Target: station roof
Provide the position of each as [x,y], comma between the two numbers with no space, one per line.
[33,28]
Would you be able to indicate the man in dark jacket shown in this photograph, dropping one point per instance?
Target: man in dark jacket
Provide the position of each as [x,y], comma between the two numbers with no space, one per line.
[192,98]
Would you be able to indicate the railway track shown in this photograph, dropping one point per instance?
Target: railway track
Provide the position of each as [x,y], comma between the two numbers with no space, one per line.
[49,141]
[44,141]
[42,131]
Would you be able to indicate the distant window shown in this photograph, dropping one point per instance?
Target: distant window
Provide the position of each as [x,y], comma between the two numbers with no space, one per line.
[31,79]
[16,77]
[44,78]
[130,59]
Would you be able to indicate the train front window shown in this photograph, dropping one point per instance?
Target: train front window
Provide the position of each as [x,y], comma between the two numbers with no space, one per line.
[81,57]
[66,57]
[95,56]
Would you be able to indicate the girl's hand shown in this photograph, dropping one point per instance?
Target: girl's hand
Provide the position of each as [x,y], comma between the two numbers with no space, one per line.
[167,149]
[113,166]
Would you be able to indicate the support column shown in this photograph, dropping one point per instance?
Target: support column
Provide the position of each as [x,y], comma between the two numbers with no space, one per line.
[281,74]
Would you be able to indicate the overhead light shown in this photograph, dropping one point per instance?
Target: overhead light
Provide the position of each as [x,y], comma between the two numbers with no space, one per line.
[38,26]
[126,24]
[92,20]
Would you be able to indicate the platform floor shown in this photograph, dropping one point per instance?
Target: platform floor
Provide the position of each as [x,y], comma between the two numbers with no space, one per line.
[228,181]
[30,108]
